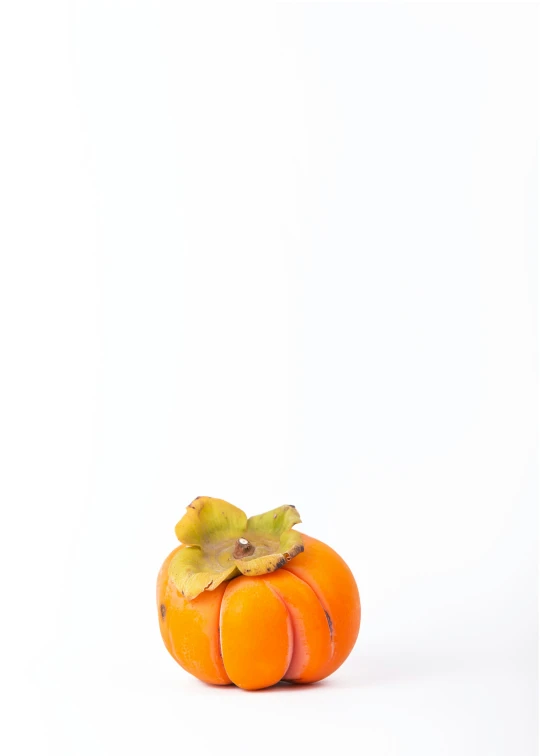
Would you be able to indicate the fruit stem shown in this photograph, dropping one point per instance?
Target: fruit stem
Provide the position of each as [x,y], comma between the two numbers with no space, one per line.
[243,548]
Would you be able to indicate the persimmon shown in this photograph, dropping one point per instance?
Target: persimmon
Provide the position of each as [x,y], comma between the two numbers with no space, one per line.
[252,601]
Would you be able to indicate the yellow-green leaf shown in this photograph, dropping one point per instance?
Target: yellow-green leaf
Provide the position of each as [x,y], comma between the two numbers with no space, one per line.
[275,522]
[192,572]
[221,543]
[209,520]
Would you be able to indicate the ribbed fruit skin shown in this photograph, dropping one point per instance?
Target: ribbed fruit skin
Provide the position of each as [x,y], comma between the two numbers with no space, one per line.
[298,623]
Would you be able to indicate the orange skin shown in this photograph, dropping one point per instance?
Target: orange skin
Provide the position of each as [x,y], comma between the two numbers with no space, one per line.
[298,623]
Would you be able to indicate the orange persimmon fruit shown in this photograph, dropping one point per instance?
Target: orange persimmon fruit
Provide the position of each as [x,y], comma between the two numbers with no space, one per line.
[253,602]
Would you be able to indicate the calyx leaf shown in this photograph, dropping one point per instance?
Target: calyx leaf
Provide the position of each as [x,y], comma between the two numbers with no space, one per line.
[220,543]
[210,520]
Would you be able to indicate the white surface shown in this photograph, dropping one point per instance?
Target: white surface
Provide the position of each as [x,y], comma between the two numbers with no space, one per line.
[277,254]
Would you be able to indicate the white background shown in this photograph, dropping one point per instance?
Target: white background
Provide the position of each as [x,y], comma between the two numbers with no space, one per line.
[277,253]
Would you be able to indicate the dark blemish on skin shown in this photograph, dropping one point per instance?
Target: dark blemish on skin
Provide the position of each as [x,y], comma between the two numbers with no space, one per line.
[281,562]
[269,569]
[163,611]
[330,625]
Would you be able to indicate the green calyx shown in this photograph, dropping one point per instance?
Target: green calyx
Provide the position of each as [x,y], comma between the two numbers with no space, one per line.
[220,543]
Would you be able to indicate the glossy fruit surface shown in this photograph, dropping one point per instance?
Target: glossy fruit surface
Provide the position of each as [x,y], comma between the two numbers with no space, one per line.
[297,622]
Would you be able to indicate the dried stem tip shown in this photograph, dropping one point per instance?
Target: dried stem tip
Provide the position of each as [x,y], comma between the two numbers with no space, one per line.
[243,548]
